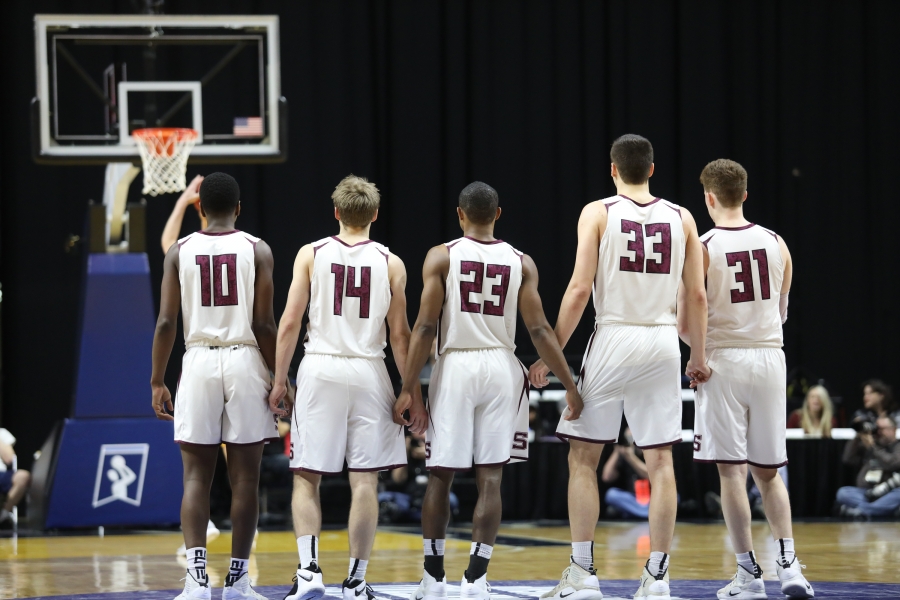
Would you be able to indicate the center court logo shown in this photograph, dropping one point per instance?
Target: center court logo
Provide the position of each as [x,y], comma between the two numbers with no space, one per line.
[120,474]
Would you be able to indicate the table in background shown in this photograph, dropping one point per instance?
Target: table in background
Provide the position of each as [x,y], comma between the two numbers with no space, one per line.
[537,489]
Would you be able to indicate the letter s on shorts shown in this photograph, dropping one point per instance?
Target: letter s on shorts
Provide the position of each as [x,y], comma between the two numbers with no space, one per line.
[520,440]
[427,450]
[697,439]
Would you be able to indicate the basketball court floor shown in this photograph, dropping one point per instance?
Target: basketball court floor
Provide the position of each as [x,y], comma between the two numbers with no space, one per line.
[845,560]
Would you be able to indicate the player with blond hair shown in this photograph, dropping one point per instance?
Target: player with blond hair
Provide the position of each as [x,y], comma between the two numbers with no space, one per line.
[353,287]
[740,412]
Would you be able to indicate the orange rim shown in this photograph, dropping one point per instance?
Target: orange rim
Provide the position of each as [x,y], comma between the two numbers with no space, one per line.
[161,141]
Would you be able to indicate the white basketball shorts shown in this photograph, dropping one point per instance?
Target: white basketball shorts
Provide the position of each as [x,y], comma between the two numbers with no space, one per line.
[478,407]
[740,412]
[343,411]
[223,396]
[633,369]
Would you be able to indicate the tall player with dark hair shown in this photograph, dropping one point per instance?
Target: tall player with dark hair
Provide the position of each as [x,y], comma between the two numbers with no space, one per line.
[633,250]
[740,412]
[478,396]
[354,288]
[222,279]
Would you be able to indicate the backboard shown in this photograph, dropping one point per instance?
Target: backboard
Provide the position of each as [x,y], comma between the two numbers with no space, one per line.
[100,77]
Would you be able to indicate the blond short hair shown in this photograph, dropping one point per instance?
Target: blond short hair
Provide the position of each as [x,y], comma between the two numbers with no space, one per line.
[727,180]
[357,200]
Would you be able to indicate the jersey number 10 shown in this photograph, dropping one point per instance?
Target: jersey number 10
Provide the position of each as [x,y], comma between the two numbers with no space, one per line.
[361,291]
[223,270]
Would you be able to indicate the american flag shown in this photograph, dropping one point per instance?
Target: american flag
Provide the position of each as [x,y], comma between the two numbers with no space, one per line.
[248,126]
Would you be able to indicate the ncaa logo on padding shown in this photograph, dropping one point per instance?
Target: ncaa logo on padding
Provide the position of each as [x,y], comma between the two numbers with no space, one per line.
[120,474]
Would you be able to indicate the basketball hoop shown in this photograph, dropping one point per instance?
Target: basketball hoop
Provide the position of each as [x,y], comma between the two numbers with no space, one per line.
[164,154]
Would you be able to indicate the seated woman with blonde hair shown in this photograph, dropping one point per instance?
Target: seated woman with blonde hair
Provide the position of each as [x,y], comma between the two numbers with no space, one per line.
[816,417]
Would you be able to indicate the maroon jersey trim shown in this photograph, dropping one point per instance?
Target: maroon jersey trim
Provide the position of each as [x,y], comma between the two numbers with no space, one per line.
[651,446]
[375,469]
[566,437]
[251,242]
[316,248]
[451,244]
[654,201]
[609,205]
[219,232]
[748,226]
[676,209]
[387,257]
[337,239]
[707,240]
[483,242]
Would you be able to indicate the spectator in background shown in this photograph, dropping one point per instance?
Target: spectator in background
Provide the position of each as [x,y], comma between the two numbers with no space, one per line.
[878,401]
[877,456]
[626,471]
[402,500]
[13,483]
[816,417]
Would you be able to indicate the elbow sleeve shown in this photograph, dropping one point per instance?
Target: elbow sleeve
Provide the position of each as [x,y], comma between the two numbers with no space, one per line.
[783,307]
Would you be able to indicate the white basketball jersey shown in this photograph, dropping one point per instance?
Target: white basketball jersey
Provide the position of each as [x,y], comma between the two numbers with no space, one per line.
[640,263]
[218,274]
[481,296]
[350,293]
[743,285]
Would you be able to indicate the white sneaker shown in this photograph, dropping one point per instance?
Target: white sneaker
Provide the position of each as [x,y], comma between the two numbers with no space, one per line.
[744,586]
[576,583]
[241,590]
[194,590]
[5,515]
[653,587]
[793,583]
[307,584]
[479,589]
[357,589]
[212,532]
[430,588]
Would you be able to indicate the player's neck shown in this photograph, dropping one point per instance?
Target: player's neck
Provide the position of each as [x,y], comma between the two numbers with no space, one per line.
[482,233]
[218,225]
[729,217]
[638,193]
[354,235]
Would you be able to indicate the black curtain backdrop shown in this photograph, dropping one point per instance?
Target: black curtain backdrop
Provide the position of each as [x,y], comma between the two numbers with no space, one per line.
[423,97]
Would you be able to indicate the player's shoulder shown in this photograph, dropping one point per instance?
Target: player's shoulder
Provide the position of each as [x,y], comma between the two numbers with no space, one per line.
[600,207]
[770,232]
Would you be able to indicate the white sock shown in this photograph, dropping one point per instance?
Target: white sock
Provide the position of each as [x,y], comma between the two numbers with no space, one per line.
[236,570]
[482,550]
[658,563]
[308,545]
[196,563]
[357,569]
[433,547]
[748,561]
[583,555]
[786,550]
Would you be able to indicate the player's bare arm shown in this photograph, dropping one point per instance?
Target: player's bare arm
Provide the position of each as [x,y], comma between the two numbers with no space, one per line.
[190,196]
[434,274]
[398,327]
[786,282]
[164,336]
[544,338]
[695,307]
[291,322]
[681,308]
[263,324]
[591,226]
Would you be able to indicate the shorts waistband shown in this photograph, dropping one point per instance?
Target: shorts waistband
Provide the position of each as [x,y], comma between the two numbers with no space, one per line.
[631,324]
[214,346]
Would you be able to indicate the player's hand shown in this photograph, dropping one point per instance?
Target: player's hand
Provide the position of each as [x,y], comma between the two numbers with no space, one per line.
[574,405]
[288,400]
[279,391]
[162,402]
[699,372]
[418,416]
[191,193]
[537,374]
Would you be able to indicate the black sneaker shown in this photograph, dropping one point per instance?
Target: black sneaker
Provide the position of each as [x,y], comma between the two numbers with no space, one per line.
[357,589]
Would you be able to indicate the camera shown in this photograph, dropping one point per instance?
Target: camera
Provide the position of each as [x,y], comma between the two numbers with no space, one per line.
[864,423]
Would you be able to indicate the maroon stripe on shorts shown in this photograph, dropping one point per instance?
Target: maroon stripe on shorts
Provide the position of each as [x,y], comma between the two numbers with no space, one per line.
[439,468]
[485,465]
[305,470]
[566,437]
[374,469]
[194,444]
[762,466]
[664,444]
[720,462]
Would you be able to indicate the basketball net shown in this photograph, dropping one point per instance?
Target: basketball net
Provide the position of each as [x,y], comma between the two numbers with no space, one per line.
[164,154]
